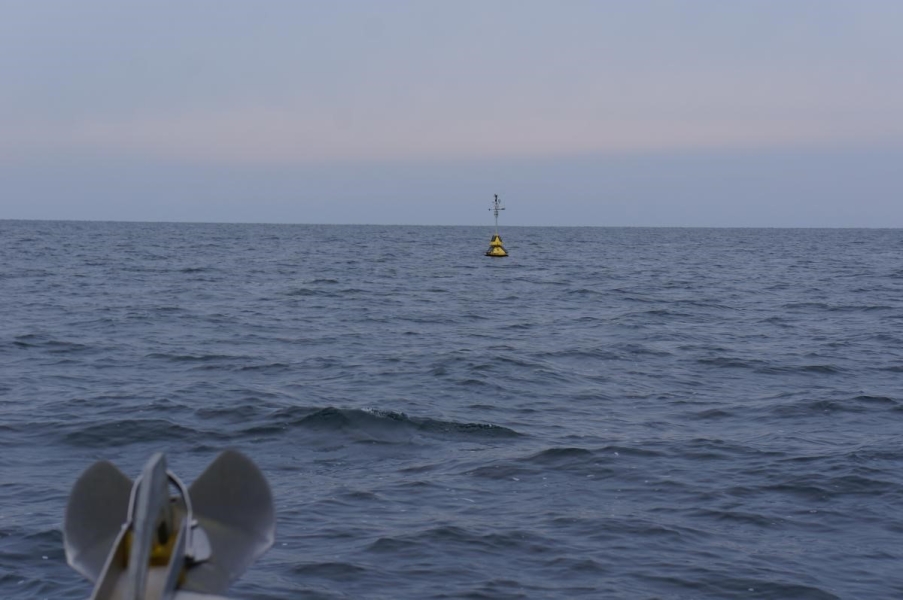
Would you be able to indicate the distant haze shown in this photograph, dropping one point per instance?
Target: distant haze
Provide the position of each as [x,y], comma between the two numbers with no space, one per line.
[578,112]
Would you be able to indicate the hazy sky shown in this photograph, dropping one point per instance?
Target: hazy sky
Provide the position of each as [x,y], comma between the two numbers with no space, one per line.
[577,112]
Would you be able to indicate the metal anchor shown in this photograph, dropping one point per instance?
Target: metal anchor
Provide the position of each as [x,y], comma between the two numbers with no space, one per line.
[137,542]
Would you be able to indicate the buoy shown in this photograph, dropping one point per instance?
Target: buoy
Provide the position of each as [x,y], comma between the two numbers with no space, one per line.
[496,248]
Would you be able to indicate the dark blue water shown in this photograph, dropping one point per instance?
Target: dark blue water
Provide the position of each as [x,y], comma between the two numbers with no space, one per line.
[608,413]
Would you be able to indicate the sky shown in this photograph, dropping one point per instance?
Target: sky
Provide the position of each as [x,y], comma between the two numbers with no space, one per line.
[746,113]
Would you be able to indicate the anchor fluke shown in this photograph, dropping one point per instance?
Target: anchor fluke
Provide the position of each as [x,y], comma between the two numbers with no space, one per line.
[233,504]
[98,506]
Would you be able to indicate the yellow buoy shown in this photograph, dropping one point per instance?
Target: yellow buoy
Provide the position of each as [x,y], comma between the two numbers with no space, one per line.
[495,247]
[495,244]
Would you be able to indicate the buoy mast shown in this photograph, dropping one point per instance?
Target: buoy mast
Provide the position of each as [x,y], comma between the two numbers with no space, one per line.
[496,207]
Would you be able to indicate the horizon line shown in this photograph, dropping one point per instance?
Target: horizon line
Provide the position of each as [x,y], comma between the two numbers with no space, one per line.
[491,226]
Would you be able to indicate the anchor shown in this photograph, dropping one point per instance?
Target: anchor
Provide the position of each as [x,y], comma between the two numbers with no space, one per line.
[136,541]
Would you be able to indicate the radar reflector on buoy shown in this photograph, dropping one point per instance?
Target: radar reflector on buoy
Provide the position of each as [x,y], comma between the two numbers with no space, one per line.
[496,248]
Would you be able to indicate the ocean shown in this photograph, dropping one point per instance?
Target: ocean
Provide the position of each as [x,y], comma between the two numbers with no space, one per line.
[606,413]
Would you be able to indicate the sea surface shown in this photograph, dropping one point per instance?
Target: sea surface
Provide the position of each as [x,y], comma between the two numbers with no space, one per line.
[607,413]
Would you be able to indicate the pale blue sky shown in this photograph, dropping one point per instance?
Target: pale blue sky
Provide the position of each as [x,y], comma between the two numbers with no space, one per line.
[578,112]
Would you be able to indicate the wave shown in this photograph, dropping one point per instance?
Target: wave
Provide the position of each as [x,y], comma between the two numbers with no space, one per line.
[327,570]
[451,538]
[820,406]
[51,345]
[573,460]
[304,291]
[765,368]
[121,432]
[823,369]
[378,425]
